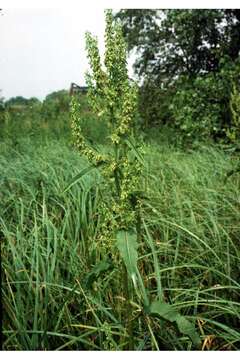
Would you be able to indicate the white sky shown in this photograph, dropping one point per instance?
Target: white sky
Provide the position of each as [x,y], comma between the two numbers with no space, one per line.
[43,50]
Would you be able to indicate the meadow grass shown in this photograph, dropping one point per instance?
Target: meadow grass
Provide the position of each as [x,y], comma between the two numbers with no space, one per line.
[57,296]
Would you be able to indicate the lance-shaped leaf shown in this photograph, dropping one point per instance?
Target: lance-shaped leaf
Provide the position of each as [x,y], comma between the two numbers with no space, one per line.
[77,178]
[168,312]
[127,246]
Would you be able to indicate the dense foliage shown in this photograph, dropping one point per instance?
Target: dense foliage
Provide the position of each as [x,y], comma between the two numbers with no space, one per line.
[201,106]
[54,293]
[180,42]
[233,132]
[189,60]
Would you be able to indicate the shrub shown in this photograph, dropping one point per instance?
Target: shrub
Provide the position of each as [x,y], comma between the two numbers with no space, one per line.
[201,105]
[154,105]
[55,104]
[233,132]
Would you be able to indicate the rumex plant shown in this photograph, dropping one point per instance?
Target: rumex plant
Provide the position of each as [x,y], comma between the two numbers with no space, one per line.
[113,96]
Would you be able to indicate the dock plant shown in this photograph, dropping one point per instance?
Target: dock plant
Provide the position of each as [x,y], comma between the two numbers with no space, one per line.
[113,96]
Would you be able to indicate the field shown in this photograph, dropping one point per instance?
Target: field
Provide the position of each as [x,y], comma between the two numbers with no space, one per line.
[60,288]
[120,200]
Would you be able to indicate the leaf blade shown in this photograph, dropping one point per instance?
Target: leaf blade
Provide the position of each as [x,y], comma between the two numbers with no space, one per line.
[76,178]
[127,246]
[169,313]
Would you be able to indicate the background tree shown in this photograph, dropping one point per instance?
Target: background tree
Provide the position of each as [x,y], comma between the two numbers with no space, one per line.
[55,103]
[187,60]
[180,42]
[16,101]
[1,101]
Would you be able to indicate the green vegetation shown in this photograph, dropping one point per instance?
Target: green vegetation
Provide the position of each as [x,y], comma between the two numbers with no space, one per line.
[129,239]
[188,61]
[57,293]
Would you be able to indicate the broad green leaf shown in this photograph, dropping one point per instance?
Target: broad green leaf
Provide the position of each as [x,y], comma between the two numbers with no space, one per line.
[127,246]
[78,177]
[187,328]
[167,312]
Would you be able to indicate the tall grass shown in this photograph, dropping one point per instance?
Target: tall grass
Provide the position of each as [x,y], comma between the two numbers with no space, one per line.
[61,291]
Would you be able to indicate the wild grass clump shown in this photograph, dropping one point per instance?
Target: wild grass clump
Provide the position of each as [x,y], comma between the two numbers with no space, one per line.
[58,293]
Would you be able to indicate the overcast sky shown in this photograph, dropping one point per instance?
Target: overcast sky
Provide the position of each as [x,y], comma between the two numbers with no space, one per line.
[43,50]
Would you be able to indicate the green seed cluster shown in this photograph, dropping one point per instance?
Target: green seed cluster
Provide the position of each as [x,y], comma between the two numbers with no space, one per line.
[111,94]
[92,155]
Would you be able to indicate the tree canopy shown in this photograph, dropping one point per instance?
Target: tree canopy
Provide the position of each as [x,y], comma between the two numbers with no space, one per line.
[169,43]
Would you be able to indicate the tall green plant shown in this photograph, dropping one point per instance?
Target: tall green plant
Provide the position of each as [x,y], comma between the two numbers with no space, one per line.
[113,96]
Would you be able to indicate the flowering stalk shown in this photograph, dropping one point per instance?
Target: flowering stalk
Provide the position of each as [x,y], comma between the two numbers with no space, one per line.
[113,96]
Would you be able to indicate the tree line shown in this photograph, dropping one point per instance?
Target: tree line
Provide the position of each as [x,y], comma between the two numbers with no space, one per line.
[188,63]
